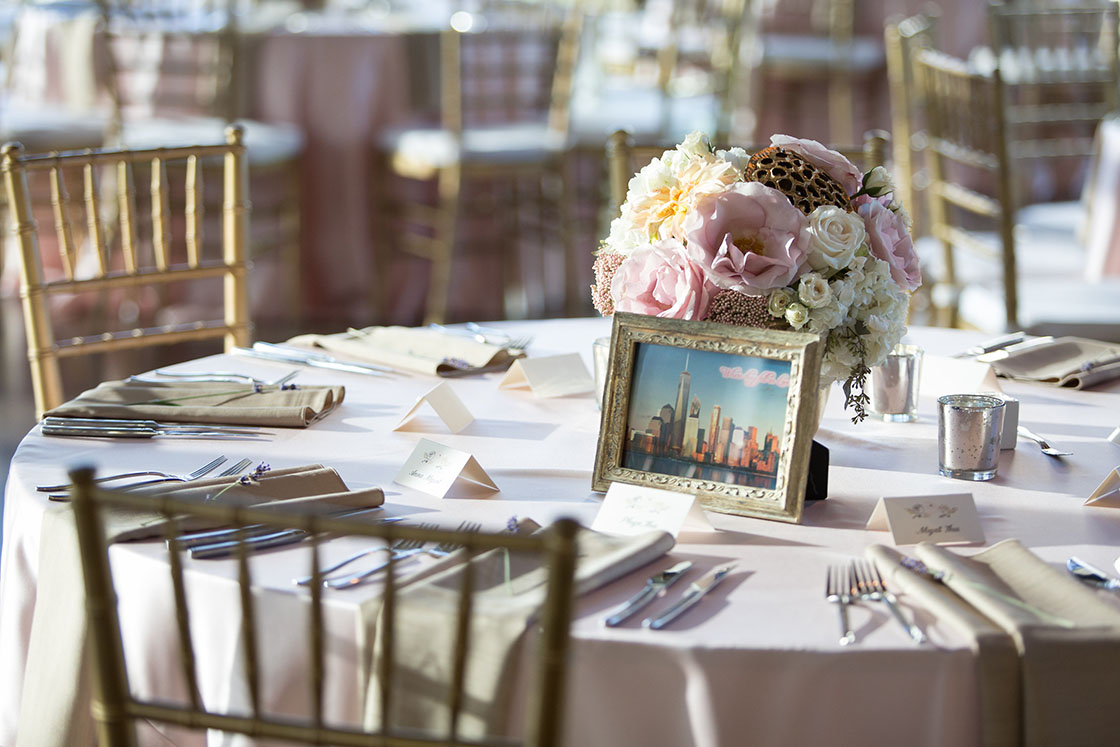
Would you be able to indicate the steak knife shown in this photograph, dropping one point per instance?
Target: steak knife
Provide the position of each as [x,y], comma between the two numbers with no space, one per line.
[655,587]
[689,599]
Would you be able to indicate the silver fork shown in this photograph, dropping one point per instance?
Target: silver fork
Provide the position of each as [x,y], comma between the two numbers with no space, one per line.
[163,476]
[519,343]
[402,548]
[1043,444]
[838,591]
[443,549]
[235,469]
[870,586]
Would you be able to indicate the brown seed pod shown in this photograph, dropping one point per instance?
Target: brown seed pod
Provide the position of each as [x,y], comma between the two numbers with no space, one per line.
[741,310]
[806,186]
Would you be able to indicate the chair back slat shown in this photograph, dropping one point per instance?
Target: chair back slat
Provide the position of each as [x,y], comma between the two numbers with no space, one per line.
[126,207]
[455,695]
[182,614]
[60,205]
[193,212]
[95,231]
[249,631]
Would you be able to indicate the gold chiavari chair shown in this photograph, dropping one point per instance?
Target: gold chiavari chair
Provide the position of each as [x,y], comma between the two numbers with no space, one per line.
[176,73]
[90,268]
[624,158]
[117,708]
[981,282]
[505,87]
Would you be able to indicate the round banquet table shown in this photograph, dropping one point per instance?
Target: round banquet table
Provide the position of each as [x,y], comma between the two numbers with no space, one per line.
[759,657]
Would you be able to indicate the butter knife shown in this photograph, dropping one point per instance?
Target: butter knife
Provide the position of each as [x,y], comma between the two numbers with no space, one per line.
[143,432]
[695,593]
[270,351]
[655,587]
[148,424]
[991,346]
[261,540]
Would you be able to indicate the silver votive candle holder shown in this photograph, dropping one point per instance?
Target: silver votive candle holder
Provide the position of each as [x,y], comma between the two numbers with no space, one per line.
[968,435]
[895,383]
[600,359]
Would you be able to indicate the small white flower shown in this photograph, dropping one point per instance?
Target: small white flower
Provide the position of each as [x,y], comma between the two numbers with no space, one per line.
[813,290]
[900,210]
[797,315]
[834,237]
[878,182]
[737,157]
[695,144]
[779,301]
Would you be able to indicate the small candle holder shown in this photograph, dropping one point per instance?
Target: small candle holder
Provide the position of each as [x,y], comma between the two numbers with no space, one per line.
[968,435]
[600,358]
[895,383]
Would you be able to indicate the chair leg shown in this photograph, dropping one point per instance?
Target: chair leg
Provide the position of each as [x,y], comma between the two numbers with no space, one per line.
[449,181]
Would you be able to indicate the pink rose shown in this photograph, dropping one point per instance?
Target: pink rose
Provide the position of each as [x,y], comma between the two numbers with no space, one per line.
[749,237]
[827,160]
[661,280]
[891,242]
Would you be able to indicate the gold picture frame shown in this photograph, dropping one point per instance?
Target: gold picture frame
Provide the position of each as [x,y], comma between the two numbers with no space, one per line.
[767,377]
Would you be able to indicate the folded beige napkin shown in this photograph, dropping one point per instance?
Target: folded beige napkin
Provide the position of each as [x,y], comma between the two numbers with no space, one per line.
[1067,638]
[1071,362]
[427,612]
[54,710]
[418,350]
[205,402]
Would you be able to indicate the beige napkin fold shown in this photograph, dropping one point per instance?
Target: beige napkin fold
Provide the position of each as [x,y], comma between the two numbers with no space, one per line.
[205,402]
[427,612]
[418,350]
[54,710]
[1067,637]
[1072,362]
[997,659]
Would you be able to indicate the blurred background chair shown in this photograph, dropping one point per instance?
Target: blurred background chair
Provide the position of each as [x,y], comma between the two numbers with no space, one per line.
[985,277]
[117,275]
[549,556]
[494,163]
[173,76]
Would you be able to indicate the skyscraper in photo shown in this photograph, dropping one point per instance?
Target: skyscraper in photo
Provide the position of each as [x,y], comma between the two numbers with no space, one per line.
[683,386]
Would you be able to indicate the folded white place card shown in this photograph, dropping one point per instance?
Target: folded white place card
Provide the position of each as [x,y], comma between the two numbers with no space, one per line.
[940,519]
[634,509]
[447,405]
[1114,437]
[1107,494]
[550,376]
[942,375]
[433,468]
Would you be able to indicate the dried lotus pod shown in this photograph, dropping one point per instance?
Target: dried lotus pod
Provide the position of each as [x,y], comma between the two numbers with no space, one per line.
[806,186]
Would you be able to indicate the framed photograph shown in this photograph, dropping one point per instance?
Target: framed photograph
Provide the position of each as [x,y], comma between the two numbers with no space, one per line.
[725,413]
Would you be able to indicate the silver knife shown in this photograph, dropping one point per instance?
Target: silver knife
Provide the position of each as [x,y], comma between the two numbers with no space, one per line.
[258,538]
[1092,575]
[655,587]
[694,594]
[143,432]
[990,346]
[311,358]
[149,424]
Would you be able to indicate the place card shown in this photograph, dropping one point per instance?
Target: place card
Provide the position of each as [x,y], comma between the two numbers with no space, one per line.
[433,468]
[940,519]
[635,509]
[550,376]
[942,375]
[447,405]
[1107,494]
[1114,437]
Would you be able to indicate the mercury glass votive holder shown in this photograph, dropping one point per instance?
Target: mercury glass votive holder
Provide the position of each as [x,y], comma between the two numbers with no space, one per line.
[894,385]
[968,435]
[600,358]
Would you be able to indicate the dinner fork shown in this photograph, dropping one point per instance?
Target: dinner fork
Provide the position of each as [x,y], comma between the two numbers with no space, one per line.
[400,544]
[869,585]
[838,591]
[401,550]
[161,476]
[1043,444]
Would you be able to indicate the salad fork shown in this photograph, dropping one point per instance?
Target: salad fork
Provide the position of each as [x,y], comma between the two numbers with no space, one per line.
[400,550]
[869,585]
[1043,444]
[161,476]
[838,590]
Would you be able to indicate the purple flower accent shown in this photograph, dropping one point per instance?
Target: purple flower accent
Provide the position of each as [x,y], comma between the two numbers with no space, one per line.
[254,477]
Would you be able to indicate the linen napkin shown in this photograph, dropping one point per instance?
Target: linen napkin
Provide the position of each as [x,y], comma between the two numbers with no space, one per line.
[1067,637]
[1071,362]
[997,659]
[54,710]
[418,350]
[427,612]
[205,402]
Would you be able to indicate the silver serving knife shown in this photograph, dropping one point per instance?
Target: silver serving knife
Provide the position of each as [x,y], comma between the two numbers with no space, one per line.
[1092,575]
[655,587]
[694,594]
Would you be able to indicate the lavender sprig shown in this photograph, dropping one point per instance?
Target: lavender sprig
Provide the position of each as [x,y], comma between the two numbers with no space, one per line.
[247,479]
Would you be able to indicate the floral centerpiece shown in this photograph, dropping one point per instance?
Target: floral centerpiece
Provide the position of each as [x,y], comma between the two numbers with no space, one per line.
[794,237]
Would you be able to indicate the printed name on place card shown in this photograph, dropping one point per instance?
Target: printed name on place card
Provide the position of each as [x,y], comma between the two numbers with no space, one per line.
[940,519]
[550,376]
[450,409]
[433,468]
[634,509]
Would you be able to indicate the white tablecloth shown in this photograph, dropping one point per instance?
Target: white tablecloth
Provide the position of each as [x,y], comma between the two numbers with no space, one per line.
[759,658]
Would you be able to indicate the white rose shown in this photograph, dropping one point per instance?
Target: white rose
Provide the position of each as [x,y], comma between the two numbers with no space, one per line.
[813,290]
[779,301]
[834,237]
[878,182]
[695,144]
[797,315]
